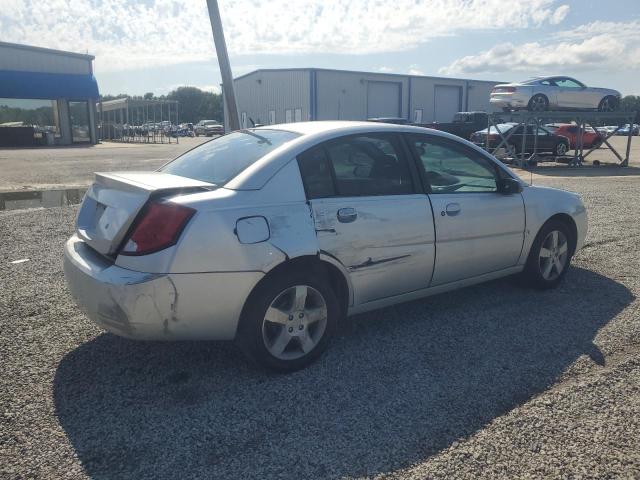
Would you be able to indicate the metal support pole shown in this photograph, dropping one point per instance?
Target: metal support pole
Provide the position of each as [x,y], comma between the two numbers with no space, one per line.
[524,144]
[225,67]
[625,162]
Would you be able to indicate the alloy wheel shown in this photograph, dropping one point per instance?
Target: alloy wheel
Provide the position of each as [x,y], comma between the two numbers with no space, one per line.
[607,105]
[561,149]
[538,103]
[295,322]
[553,256]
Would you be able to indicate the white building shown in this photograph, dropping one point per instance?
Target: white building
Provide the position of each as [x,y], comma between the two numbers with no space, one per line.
[46,96]
[289,95]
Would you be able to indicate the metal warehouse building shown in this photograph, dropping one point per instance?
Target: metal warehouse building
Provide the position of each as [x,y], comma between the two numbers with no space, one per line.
[46,96]
[292,95]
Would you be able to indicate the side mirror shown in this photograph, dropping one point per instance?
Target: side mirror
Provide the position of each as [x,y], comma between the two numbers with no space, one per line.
[508,186]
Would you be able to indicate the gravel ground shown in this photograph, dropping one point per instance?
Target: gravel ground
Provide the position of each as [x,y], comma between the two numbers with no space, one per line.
[492,381]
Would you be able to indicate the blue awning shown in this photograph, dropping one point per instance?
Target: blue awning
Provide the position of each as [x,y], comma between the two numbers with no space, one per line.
[45,86]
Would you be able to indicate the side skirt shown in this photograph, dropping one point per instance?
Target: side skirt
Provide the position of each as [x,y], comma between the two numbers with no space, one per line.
[427,292]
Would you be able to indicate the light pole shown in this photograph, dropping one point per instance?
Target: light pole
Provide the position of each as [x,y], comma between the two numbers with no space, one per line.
[225,67]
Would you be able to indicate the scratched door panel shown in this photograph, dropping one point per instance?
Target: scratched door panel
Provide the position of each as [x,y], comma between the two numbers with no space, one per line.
[388,249]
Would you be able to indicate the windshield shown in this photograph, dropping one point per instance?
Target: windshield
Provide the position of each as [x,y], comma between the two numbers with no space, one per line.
[211,122]
[219,160]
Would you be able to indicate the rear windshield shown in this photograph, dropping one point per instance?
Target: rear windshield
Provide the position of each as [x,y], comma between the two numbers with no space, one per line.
[219,160]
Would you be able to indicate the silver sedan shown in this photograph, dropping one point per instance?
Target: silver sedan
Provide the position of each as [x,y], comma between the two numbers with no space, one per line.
[553,93]
[271,236]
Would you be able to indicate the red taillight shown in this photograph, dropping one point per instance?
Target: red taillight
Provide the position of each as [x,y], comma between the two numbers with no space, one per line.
[159,227]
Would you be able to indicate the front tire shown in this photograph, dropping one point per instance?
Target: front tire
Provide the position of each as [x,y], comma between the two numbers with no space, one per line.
[289,321]
[561,149]
[550,256]
[538,103]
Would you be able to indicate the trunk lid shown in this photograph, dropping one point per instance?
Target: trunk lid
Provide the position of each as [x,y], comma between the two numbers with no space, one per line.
[114,200]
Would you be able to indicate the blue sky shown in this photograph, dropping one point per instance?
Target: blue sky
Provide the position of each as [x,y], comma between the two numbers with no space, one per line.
[157,45]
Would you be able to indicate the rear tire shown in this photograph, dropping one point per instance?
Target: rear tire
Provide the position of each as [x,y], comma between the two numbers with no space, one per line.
[550,256]
[289,320]
[608,104]
[538,103]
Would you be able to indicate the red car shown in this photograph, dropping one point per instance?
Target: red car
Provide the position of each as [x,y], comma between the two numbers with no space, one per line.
[590,137]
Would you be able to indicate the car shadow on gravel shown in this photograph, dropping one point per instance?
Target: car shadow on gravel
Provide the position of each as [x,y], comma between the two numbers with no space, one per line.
[397,386]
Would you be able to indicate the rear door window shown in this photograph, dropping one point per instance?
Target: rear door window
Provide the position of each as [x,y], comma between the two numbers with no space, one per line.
[220,160]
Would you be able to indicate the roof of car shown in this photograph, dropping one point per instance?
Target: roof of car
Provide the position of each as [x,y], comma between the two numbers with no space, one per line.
[327,126]
[309,128]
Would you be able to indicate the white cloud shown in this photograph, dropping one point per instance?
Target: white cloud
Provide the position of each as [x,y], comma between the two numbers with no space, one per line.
[385,69]
[414,69]
[130,34]
[559,15]
[594,46]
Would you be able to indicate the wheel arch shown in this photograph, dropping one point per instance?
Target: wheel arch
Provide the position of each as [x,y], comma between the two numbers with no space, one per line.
[315,264]
[570,223]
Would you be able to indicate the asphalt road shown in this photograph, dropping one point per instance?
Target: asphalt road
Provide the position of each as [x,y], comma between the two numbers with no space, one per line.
[60,167]
[493,381]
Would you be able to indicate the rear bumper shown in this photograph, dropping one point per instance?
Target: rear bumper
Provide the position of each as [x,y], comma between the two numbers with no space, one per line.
[509,100]
[145,306]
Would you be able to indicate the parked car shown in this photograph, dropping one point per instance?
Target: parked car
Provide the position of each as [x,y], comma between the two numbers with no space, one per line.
[393,120]
[624,130]
[208,128]
[271,236]
[553,93]
[590,137]
[547,142]
[464,124]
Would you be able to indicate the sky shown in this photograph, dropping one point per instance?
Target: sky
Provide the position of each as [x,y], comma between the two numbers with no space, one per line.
[157,45]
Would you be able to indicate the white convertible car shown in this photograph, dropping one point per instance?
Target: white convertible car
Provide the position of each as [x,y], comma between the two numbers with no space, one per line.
[270,236]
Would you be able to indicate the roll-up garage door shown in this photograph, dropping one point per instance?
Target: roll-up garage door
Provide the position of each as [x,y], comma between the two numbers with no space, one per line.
[383,99]
[447,101]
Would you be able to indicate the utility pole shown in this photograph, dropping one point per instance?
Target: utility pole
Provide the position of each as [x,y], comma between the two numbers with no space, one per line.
[225,67]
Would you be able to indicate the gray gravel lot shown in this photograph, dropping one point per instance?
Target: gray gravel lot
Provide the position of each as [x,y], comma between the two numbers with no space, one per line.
[492,381]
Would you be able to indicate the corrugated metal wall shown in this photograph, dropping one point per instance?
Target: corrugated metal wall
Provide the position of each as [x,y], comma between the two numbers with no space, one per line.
[26,60]
[267,95]
[343,95]
[479,95]
[287,95]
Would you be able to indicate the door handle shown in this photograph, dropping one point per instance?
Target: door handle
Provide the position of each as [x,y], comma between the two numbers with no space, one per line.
[347,215]
[452,209]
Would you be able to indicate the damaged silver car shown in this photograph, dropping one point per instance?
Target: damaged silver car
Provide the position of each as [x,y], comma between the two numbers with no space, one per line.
[270,236]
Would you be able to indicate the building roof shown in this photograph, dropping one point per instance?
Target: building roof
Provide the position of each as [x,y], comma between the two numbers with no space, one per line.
[47,50]
[260,70]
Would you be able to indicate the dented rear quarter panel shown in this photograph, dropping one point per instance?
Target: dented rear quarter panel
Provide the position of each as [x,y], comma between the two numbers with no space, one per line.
[210,242]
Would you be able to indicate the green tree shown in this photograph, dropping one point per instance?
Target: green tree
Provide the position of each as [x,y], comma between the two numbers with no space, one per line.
[196,104]
[148,96]
[631,103]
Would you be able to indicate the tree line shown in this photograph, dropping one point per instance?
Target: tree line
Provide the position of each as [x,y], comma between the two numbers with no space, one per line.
[195,104]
